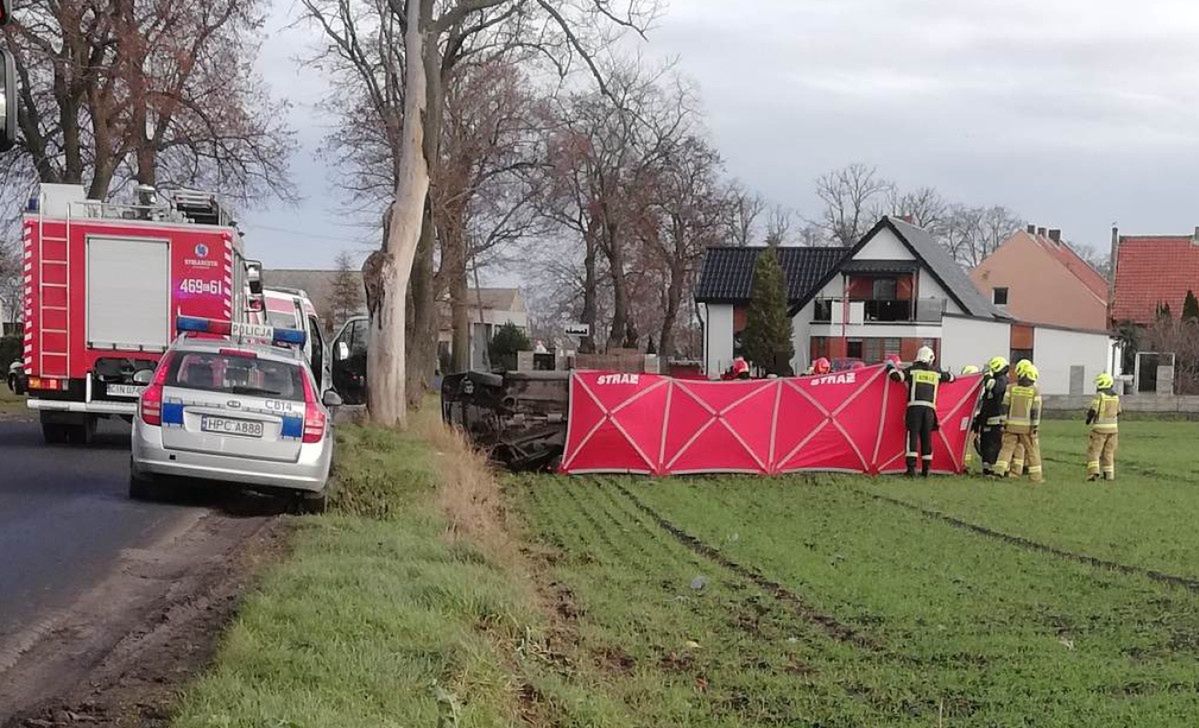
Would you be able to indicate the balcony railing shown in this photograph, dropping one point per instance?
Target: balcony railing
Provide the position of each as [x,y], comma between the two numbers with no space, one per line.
[873,311]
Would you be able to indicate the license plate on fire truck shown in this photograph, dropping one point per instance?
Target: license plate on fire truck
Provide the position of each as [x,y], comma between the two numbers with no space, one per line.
[132,391]
[226,426]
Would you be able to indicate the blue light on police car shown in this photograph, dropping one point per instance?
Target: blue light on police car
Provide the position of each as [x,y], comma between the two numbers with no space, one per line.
[289,336]
[191,323]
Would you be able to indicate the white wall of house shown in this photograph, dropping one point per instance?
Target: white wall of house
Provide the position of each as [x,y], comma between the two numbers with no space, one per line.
[1056,351]
[884,246]
[718,337]
[801,333]
[973,341]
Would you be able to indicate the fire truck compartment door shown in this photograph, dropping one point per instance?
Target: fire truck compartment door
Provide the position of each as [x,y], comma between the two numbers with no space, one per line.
[128,294]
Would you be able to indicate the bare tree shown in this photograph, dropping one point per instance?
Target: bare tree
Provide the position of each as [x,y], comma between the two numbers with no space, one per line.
[742,215]
[973,233]
[151,90]
[779,225]
[853,197]
[435,38]
[922,206]
[346,294]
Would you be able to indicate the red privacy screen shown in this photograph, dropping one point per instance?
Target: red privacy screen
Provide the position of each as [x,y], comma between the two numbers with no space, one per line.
[850,422]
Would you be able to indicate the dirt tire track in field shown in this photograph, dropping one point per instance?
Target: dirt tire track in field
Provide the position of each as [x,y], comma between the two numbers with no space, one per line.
[827,623]
[1019,541]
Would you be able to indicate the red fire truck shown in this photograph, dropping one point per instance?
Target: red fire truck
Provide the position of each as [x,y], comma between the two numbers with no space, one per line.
[104,284]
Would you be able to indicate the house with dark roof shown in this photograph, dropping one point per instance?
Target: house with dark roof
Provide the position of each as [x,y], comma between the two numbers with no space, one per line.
[894,291]
[1037,277]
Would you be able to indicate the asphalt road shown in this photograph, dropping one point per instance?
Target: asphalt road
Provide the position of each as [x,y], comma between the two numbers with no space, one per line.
[65,516]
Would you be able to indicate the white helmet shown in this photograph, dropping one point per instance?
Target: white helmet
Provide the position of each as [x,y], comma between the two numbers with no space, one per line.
[925,355]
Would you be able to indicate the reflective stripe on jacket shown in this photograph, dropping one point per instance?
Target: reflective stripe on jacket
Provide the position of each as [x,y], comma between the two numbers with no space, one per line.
[1107,413]
[1022,408]
[923,383]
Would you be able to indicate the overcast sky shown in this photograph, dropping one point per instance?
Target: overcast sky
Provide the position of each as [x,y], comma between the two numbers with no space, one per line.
[1075,114]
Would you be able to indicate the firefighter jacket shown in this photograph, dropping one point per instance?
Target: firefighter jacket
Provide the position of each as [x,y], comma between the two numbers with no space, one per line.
[1104,415]
[1022,409]
[923,382]
[991,411]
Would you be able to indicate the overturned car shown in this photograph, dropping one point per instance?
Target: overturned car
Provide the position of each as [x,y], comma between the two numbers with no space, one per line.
[517,418]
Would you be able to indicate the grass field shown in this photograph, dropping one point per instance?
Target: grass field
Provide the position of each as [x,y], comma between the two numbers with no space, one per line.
[9,402]
[851,601]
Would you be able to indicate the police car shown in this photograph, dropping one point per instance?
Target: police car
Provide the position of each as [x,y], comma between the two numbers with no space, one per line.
[235,403]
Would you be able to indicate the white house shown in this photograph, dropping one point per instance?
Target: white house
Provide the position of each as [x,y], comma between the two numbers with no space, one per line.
[898,289]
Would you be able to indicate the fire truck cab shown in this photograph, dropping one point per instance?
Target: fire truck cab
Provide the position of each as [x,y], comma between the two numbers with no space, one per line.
[104,285]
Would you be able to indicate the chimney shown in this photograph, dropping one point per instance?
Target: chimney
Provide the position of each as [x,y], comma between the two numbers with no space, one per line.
[1195,237]
[908,219]
[1031,230]
[1111,280]
[1055,235]
[1041,232]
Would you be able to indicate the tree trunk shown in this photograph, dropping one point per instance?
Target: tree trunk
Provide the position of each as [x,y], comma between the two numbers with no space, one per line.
[620,293]
[674,297]
[590,296]
[386,399]
[423,324]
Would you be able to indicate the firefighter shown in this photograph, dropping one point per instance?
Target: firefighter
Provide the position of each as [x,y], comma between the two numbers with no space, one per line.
[1103,417]
[989,422]
[739,370]
[969,370]
[820,366]
[1022,418]
[922,380]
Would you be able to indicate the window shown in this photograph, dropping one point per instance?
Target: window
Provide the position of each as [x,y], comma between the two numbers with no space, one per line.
[874,349]
[884,289]
[236,374]
[854,349]
[360,336]
[999,296]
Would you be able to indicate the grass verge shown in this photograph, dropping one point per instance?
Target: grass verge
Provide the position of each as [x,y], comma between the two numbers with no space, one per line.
[10,403]
[397,609]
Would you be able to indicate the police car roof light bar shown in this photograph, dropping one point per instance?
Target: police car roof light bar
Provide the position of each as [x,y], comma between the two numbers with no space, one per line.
[197,325]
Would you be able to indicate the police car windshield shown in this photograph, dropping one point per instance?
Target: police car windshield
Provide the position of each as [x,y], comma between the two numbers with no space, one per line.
[236,374]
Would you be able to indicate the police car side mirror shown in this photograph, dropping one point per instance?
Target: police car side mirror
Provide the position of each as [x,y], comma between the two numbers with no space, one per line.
[331,399]
[143,376]
[343,351]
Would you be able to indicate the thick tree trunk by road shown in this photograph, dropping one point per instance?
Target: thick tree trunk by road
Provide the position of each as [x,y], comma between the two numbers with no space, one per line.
[454,264]
[386,400]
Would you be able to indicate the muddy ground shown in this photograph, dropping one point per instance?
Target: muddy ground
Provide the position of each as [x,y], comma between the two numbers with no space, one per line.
[120,653]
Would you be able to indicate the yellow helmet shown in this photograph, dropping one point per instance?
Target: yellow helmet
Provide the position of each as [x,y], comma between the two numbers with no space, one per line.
[1031,373]
[970,369]
[1104,381]
[996,364]
[1021,367]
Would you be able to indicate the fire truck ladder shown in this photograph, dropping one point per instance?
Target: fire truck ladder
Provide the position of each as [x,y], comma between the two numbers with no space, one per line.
[58,269]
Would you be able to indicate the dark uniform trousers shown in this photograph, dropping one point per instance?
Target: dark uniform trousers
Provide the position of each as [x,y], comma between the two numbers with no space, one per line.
[921,422]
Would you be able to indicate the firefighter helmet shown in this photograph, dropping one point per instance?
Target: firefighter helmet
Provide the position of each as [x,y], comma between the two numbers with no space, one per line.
[925,355]
[1021,367]
[892,359]
[821,366]
[1104,381]
[970,369]
[740,366]
[997,364]
[1031,373]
